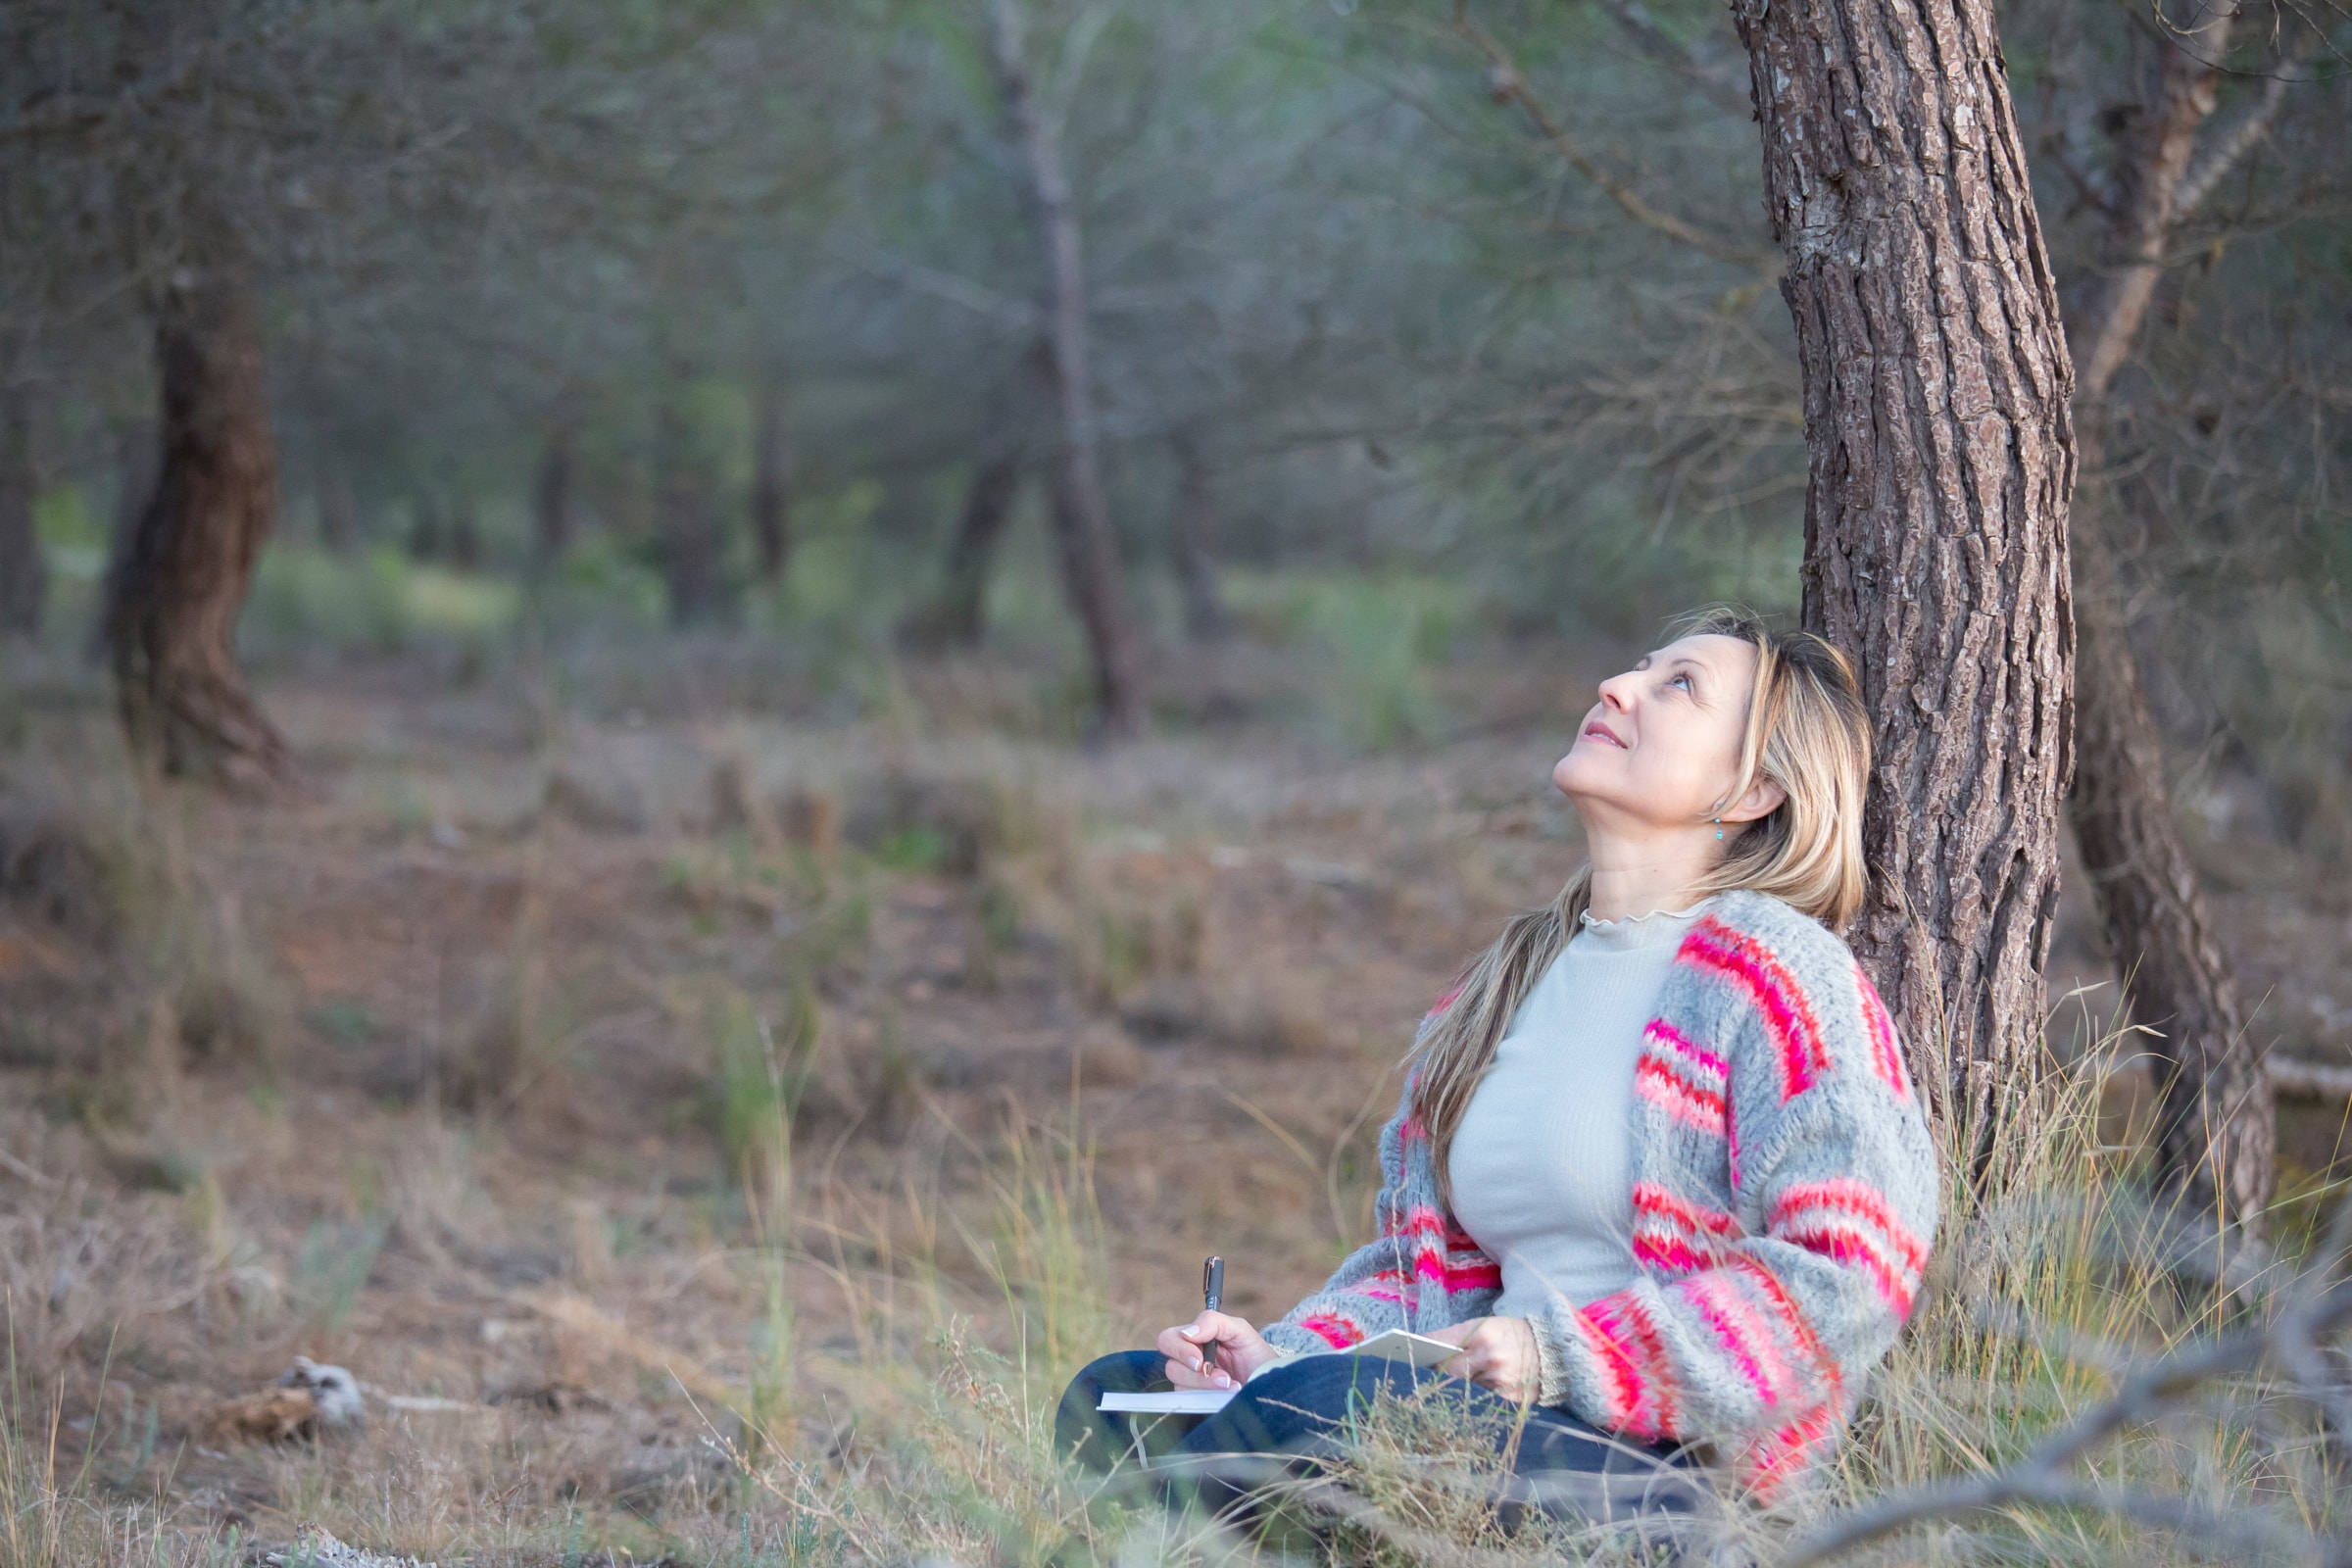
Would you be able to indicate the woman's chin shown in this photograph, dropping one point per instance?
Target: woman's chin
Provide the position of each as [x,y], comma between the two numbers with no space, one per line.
[1574,775]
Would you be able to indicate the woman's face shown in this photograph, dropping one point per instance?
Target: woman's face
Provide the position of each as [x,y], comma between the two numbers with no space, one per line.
[1661,747]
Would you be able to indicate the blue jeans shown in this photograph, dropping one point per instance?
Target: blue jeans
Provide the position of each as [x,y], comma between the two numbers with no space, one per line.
[1301,1412]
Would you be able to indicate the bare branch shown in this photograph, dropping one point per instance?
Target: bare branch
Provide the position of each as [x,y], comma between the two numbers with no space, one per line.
[1713,81]
[2322,1304]
[66,116]
[2145,212]
[1019,314]
[2310,1080]
[1506,85]
[2231,146]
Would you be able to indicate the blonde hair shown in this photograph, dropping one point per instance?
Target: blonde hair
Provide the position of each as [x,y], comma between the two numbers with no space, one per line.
[1808,733]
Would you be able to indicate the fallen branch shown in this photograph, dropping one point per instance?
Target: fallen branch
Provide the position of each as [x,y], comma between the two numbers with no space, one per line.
[2321,1305]
[29,1174]
[2308,1080]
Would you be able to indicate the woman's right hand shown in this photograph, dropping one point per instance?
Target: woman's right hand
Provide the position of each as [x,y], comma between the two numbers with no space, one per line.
[1241,1350]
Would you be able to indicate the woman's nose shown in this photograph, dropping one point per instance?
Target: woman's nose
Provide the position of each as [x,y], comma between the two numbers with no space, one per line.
[1615,690]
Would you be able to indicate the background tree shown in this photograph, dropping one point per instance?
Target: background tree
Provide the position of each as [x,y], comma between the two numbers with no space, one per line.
[2216,1141]
[23,578]
[2093,128]
[772,477]
[1089,550]
[180,581]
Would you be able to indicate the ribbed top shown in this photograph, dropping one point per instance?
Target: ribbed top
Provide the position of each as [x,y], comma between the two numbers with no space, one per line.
[1541,1164]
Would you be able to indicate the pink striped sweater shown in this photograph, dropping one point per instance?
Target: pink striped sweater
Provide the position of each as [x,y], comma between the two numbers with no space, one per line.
[1785,1197]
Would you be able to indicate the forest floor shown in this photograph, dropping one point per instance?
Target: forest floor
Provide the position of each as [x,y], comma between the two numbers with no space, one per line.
[467,1068]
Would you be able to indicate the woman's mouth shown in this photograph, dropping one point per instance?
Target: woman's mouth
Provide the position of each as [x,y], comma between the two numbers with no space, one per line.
[1597,731]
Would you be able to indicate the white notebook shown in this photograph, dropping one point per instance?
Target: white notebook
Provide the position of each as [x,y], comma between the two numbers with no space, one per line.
[1175,1402]
[1396,1345]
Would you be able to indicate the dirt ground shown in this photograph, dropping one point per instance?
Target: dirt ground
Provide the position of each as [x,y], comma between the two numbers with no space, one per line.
[452,1070]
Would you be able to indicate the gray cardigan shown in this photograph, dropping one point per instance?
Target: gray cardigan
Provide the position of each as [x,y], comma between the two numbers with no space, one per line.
[1785,1197]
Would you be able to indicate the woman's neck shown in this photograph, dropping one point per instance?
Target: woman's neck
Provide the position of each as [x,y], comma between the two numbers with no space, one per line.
[1637,876]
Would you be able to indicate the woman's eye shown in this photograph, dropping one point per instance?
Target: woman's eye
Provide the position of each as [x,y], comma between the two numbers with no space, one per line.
[1681,679]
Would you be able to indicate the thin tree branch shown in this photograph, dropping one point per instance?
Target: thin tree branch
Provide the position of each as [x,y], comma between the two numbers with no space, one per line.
[59,116]
[1506,85]
[2232,146]
[2308,1080]
[1021,316]
[1712,81]
[2322,1304]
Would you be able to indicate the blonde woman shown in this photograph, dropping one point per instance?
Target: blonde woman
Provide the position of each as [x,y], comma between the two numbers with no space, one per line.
[1658,1169]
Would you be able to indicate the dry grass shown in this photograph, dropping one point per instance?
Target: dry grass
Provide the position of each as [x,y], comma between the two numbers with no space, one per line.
[726,1139]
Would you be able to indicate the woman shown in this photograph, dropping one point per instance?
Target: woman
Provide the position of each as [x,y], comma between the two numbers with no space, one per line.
[1658,1169]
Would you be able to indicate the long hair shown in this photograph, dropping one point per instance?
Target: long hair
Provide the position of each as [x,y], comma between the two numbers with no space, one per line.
[1808,732]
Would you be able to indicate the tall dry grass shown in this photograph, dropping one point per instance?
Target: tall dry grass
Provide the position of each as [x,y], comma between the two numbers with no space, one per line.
[2047,1287]
[931,1438]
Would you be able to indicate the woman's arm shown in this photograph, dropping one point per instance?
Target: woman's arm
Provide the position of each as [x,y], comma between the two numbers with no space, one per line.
[1359,1299]
[1420,1248]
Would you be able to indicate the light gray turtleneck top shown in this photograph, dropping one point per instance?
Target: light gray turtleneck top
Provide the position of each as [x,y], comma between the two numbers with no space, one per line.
[1540,1165]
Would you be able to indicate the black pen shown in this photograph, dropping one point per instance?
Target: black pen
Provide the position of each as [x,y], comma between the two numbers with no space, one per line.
[1212,1296]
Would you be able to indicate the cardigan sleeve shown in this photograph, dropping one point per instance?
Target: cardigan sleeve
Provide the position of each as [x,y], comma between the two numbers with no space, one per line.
[1419,1248]
[1756,1335]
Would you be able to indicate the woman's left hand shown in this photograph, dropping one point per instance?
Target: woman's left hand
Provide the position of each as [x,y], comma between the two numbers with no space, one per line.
[1498,1352]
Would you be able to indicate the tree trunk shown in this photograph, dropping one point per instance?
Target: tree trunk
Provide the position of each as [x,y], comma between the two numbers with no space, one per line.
[24,579]
[689,543]
[1942,462]
[772,482]
[1195,538]
[551,499]
[1092,573]
[957,617]
[138,460]
[2217,1134]
[179,585]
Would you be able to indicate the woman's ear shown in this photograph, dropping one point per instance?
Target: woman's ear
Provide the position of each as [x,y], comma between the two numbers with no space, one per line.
[1763,798]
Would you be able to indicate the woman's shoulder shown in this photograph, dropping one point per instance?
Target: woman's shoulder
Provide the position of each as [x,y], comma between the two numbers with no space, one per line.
[1778,927]
[1763,946]
[1814,1005]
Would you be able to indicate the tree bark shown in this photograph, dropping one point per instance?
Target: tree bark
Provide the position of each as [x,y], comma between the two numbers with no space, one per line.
[1195,538]
[552,499]
[2217,1133]
[24,579]
[1941,463]
[1092,573]
[957,616]
[179,584]
[772,482]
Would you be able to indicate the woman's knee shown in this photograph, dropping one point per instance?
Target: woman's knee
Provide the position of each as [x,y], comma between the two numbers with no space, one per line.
[1094,1439]
[1123,1372]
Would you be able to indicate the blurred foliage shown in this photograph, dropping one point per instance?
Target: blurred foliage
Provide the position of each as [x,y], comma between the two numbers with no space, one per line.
[1446,393]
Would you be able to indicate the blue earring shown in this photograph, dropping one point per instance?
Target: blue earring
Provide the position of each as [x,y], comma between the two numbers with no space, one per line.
[1719,830]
